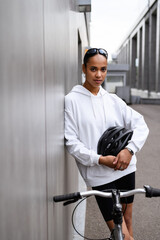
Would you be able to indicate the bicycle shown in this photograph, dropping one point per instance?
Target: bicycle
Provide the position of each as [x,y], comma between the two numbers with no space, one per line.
[115,194]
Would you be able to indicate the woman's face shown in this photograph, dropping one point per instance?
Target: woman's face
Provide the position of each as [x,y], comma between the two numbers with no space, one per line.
[95,71]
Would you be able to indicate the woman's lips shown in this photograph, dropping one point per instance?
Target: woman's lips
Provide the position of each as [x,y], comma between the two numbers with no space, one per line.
[98,81]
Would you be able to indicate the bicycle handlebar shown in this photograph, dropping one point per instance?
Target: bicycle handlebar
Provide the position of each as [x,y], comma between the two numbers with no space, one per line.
[151,192]
[70,196]
[147,190]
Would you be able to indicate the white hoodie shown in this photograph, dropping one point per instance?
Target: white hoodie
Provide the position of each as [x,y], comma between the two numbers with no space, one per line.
[86,118]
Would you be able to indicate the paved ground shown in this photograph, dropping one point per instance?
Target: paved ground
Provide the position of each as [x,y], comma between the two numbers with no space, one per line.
[146,212]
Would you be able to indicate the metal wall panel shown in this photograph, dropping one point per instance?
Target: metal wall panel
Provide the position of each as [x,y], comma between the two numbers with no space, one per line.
[23,212]
[38,66]
[55,58]
[61,48]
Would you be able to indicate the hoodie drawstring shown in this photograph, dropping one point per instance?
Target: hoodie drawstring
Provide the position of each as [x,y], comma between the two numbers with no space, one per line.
[105,110]
[93,107]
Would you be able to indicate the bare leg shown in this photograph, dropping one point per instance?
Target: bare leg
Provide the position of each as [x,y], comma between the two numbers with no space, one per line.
[128,217]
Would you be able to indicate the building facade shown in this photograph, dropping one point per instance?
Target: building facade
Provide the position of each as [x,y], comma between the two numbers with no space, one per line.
[41,48]
[141,50]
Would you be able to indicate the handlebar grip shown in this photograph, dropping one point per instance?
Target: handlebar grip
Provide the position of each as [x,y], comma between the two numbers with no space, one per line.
[152,192]
[73,196]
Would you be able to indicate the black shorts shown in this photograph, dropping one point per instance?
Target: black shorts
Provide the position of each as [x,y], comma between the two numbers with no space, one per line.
[105,204]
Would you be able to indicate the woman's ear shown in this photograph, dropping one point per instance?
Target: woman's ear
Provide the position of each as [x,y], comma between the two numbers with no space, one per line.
[84,69]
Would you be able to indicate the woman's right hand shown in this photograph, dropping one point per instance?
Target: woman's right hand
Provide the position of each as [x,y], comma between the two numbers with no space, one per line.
[109,161]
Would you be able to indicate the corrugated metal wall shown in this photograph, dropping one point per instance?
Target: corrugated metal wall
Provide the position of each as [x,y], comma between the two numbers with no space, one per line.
[38,66]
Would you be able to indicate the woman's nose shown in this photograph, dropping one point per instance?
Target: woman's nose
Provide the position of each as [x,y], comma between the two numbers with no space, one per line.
[98,74]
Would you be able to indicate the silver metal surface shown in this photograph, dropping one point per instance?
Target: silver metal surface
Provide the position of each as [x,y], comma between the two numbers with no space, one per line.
[38,66]
[109,194]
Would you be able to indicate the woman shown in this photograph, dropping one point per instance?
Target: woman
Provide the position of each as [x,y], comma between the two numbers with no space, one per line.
[89,111]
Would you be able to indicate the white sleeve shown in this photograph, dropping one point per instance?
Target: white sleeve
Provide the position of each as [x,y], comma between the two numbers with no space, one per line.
[135,121]
[75,147]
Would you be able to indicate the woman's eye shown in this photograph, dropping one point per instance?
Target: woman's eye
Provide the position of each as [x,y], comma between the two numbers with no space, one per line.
[93,69]
[103,69]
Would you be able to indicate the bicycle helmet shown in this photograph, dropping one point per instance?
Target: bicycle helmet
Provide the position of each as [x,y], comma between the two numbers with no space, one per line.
[113,140]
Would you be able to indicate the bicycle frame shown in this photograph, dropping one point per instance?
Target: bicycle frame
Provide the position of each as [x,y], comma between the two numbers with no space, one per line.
[117,216]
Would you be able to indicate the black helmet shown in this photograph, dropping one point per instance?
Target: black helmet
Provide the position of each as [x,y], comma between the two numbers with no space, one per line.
[113,140]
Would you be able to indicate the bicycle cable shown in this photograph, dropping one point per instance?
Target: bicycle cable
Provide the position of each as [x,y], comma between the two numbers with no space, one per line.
[74,224]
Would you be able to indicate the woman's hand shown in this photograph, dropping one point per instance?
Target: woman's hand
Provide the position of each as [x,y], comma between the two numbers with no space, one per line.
[109,161]
[123,159]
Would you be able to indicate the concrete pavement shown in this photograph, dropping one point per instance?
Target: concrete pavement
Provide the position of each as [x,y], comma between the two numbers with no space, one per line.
[146,212]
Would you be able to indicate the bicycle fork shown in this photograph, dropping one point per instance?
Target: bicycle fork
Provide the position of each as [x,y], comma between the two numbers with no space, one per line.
[117,216]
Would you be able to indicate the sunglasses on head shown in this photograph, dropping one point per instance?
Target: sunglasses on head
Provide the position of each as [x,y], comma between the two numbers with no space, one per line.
[101,51]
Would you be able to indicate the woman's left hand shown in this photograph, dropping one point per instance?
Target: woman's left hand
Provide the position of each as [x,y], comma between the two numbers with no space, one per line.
[123,159]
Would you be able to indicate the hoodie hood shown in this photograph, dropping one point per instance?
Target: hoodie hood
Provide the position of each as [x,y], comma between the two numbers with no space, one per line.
[102,92]
[83,90]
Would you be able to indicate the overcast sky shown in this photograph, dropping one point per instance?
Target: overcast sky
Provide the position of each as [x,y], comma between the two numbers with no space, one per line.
[111,21]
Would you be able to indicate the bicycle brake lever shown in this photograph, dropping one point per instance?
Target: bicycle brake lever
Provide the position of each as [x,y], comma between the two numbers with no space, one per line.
[69,202]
